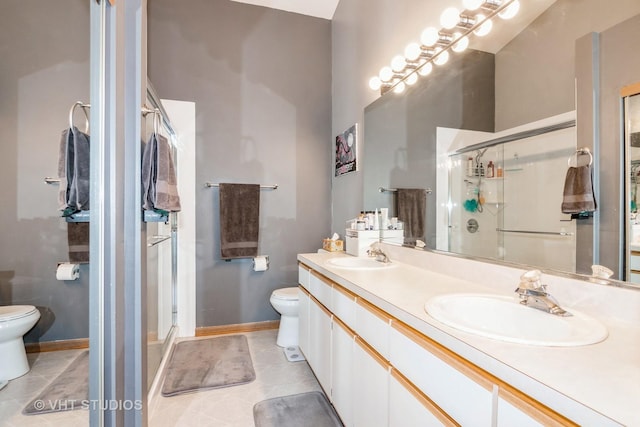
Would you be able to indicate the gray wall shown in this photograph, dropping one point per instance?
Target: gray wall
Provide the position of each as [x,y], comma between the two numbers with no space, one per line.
[44,69]
[400,149]
[535,72]
[261,81]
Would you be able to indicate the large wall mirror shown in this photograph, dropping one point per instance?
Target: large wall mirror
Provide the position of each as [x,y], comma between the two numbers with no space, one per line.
[563,70]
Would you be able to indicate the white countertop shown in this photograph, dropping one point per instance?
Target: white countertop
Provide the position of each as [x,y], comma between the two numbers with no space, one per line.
[597,384]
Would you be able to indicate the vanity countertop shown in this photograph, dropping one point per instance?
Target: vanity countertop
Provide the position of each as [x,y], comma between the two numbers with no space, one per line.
[597,384]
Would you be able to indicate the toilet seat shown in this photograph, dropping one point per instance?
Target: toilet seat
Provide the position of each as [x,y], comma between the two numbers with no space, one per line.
[13,312]
[286,294]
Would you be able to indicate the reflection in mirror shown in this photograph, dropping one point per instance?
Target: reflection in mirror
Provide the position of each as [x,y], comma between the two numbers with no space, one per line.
[632,178]
[526,87]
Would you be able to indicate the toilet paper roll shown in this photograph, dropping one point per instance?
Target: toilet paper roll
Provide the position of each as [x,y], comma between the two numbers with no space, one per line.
[261,263]
[67,271]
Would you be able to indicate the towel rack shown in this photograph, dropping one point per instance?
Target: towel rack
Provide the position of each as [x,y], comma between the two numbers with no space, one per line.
[581,151]
[49,180]
[84,110]
[157,116]
[271,187]
[393,190]
[549,233]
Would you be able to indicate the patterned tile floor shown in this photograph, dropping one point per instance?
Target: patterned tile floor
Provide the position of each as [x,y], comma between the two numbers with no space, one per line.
[224,407]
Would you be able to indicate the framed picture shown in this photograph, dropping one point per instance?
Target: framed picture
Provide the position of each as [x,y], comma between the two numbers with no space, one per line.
[346,151]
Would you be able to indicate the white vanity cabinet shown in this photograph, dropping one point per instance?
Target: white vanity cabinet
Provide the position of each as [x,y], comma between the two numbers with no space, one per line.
[319,353]
[516,409]
[372,324]
[342,371]
[371,383]
[409,407]
[378,371]
[463,394]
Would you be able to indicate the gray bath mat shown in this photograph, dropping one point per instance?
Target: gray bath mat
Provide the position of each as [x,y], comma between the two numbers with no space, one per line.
[208,363]
[299,410]
[66,392]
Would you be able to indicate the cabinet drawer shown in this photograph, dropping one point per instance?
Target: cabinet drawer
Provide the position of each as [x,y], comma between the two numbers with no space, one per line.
[517,409]
[321,289]
[453,384]
[634,261]
[408,407]
[344,305]
[303,275]
[372,324]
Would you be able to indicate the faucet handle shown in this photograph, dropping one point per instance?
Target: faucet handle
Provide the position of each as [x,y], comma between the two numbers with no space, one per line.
[531,280]
[531,276]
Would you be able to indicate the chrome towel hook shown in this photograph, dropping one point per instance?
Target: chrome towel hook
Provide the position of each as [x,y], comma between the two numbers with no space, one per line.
[579,152]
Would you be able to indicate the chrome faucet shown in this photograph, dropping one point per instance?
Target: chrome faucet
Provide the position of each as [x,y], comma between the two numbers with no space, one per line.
[378,253]
[534,294]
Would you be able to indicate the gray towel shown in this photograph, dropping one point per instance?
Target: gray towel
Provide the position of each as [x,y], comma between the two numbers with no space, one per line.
[239,220]
[411,208]
[578,191]
[74,171]
[159,184]
[78,240]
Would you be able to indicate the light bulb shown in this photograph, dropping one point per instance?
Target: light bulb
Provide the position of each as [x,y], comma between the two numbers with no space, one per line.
[429,36]
[386,74]
[412,51]
[399,88]
[426,69]
[461,44]
[375,83]
[450,18]
[484,28]
[472,4]
[510,11]
[398,63]
[442,58]
[411,79]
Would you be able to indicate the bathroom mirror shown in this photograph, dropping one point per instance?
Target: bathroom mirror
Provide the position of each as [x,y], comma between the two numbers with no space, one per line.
[631,118]
[544,73]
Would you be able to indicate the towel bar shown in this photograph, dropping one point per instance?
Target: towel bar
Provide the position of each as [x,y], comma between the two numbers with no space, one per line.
[551,233]
[49,180]
[211,184]
[393,190]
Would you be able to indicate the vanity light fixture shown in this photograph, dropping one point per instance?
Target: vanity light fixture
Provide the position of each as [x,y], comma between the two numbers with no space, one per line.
[434,45]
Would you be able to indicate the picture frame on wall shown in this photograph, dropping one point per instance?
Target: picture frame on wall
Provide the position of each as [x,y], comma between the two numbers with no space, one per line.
[347,151]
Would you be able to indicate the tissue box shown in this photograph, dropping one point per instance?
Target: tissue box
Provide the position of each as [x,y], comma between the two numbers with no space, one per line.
[332,245]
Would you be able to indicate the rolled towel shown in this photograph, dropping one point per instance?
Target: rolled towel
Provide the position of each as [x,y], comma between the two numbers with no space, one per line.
[578,194]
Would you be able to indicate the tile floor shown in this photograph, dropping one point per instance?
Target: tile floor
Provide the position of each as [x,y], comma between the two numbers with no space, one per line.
[225,407]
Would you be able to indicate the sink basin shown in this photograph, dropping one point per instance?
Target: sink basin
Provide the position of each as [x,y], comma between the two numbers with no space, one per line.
[503,318]
[358,263]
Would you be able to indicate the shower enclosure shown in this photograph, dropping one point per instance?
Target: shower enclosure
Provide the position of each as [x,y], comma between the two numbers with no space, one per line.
[505,199]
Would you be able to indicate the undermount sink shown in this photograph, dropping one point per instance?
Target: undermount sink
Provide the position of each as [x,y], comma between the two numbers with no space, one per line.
[503,318]
[358,263]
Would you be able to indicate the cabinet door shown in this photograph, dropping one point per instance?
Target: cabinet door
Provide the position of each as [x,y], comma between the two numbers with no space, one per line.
[320,344]
[453,384]
[408,407]
[517,409]
[343,342]
[371,387]
[372,324]
[303,321]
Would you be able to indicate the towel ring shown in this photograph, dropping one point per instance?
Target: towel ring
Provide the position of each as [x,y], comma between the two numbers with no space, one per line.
[578,152]
[84,110]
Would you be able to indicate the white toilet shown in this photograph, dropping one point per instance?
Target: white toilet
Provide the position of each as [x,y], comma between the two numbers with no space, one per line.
[285,301]
[15,321]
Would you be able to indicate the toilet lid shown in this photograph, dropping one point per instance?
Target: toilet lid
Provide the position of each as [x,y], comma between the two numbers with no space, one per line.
[11,312]
[289,294]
